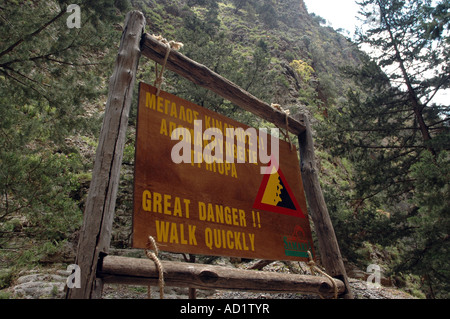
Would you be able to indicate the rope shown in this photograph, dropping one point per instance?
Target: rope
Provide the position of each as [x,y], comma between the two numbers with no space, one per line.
[286,112]
[154,256]
[313,267]
[169,46]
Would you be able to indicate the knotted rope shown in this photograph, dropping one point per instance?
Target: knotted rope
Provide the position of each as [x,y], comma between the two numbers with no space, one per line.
[169,45]
[153,253]
[286,112]
[314,268]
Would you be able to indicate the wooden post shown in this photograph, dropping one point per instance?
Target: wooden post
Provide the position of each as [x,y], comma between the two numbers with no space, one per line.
[192,291]
[95,234]
[328,246]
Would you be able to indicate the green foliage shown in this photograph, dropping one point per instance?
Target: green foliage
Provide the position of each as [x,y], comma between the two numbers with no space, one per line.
[303,69]
[209,44]
[432,183]
[429,252]
[6,278]
[48,72]
[397,141]
[5,294]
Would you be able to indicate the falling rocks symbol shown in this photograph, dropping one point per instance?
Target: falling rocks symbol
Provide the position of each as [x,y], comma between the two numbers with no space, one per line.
[275,195]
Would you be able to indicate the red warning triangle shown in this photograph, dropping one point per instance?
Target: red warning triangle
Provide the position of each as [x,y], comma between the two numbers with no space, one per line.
[275,195]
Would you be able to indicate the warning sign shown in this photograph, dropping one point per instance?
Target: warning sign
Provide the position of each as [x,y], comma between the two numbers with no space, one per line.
[206,184]
[275,195]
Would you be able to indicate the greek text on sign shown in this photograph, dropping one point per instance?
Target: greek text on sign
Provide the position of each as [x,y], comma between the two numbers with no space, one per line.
[220,196]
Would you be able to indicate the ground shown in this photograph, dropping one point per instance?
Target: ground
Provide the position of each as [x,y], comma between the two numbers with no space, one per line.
[50,282]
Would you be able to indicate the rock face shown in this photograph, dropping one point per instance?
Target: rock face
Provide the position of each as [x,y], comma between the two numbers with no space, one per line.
[41,285]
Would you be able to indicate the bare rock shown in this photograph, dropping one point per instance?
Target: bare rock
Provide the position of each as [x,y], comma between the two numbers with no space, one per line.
[40,286]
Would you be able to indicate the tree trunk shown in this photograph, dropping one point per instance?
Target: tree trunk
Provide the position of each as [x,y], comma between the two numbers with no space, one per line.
[412,96]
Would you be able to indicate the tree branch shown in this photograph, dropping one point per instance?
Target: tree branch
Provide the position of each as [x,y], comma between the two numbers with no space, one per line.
[24,84]
[18,42]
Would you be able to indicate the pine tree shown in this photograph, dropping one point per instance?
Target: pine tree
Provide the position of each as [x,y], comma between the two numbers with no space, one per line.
[415,59]
[394,132]
[385,127]
[48,71]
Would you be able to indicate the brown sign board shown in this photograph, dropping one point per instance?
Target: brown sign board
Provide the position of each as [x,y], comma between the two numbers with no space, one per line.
[227,207]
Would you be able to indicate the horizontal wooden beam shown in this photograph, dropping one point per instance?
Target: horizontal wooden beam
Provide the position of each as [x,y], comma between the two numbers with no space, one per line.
[136,271]
[201,75]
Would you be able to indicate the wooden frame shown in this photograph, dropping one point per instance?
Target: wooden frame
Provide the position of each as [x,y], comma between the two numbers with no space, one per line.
[138,271]
[96,267]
